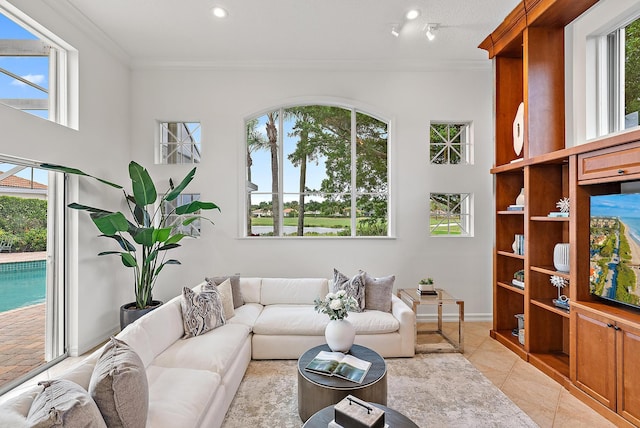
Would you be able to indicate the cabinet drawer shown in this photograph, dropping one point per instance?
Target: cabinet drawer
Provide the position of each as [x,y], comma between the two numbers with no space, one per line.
[618,162]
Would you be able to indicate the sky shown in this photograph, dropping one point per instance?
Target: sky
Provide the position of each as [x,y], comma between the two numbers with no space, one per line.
[626,205]
[33,69]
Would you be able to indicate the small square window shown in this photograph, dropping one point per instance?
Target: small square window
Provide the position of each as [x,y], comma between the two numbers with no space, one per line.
[179,142]
[176,221]
[450,143]
[450,214]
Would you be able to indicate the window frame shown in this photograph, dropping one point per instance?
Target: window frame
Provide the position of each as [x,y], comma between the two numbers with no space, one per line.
[249,188]
[174,220]
[466,148]
[62,99]
[466,212]
[195,146]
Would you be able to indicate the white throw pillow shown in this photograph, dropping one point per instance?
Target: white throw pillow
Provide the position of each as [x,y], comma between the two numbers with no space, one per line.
[226,296]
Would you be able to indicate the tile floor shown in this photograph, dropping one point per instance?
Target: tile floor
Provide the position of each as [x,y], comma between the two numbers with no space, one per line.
[543,399]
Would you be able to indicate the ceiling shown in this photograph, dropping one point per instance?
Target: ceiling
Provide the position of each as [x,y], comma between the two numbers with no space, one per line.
[293,32]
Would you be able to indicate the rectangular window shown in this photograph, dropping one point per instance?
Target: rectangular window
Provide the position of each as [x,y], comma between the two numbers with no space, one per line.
[179,143]
[450,214]
[450,143]
[177,221]
[317,171]
[34,68]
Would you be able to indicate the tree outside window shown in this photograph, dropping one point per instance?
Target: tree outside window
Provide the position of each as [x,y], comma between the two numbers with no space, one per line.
[450,143]
[317,171]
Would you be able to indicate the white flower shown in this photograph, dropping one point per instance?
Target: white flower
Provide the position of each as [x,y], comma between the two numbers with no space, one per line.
[341,293]
[330,297]
[336,304]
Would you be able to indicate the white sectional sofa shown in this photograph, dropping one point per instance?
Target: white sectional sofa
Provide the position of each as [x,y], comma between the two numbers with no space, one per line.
[193,381]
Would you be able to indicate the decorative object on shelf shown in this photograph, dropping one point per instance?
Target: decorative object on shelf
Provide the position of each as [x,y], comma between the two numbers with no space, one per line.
[339,333]
[519,331]
[559,282]
[518,130]
[353,412]
[518,279]
[563,206]
[426,286]
[520,199]
[561,257]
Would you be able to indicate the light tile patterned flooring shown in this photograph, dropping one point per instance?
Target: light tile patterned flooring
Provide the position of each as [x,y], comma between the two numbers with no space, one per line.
[543,399]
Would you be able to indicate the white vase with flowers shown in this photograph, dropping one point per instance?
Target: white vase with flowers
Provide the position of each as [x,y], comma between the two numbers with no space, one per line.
[339,333]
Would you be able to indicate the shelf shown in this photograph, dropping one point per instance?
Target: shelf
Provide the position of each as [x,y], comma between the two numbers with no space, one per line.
[549,306]
[553,364]
[508,254]
[550,270]
[505,212]
[510,341]
[545,218]
[510,287]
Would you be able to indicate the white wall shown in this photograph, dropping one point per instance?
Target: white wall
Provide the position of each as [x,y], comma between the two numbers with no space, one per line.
[221,99]
[101,147]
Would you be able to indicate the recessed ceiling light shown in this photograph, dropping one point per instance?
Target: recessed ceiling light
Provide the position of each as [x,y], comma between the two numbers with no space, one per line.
[219,12]
[412,14]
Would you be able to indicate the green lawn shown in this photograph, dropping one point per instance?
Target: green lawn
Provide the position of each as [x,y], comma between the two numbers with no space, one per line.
[334,222]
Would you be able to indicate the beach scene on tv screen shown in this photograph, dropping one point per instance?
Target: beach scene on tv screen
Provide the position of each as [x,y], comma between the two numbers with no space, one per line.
[615,247]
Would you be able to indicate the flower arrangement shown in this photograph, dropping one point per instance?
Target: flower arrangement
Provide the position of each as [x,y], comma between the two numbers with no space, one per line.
[426,281]
[336,305]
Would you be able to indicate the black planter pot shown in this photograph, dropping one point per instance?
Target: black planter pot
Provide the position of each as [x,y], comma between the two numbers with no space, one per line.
[129,313]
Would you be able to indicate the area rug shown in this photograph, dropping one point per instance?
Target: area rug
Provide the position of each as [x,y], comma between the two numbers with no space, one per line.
[433,390]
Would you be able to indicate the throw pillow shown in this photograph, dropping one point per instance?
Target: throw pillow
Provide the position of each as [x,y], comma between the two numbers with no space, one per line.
[64,403]
[378,292]
[226,295]
[353,286]
[119,386]
[201,312]
[238,300]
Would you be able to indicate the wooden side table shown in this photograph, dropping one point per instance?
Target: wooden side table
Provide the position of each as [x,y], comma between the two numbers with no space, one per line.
[316,391]
[414,299]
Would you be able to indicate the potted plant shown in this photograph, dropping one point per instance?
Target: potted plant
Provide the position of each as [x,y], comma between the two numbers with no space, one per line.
[426,285]
[145,235]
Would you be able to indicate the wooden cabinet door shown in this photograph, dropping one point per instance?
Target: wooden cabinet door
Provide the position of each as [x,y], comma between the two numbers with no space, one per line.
[595,356]
[629,373]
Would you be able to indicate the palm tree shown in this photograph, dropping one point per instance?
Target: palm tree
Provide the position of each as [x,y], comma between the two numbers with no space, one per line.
[255,142]
[272,137]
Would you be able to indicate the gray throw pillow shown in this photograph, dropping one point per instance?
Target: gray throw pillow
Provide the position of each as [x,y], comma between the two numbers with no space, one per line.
[63,403]
[353,286]
[377,292]
[238,300]
[119,386]
[201,312]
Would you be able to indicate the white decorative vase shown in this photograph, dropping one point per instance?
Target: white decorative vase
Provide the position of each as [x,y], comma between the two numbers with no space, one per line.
[520,198]
[561,257]
[340,335]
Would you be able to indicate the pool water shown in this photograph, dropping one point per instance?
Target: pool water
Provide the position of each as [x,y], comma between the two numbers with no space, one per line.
[22,284]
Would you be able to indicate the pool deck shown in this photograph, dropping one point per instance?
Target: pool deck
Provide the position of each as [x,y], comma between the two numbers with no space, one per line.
[22,331]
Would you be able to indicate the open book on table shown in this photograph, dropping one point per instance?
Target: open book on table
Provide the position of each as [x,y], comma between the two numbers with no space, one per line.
[340,365]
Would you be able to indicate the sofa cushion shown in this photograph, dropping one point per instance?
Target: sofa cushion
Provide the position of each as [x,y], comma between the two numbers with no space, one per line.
[378,292]
[238,300]
[374,322]
[246,314]
[226,297]
[353,286]
[119,386]
[201,311]
[64,403]
[250,288]
[213,351]
[298,320]
[179,397]
[292,291]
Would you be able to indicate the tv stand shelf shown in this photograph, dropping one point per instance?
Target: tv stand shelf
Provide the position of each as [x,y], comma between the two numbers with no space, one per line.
[593,349]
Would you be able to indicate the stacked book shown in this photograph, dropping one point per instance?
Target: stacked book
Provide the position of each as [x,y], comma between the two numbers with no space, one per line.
[518,245]
[518,279]
[558,214]
[515,207]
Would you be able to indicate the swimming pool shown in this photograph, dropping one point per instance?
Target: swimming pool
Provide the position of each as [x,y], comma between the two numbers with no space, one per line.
[22,284]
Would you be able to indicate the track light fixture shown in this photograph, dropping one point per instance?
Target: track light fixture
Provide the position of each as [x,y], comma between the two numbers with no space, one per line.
[431,31]
[409,16]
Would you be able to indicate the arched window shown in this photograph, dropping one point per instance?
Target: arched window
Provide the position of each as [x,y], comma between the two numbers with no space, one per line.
[317,170]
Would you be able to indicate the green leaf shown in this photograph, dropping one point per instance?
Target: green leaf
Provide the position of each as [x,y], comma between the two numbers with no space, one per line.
[77,206]
[183,184]
[168,262]
[195,206]
[128,260]
[161,235]
[144,236]
[169,247]
[151,257]
[75,171]
[175,238]
[126,245]
[144,190]
[110,223]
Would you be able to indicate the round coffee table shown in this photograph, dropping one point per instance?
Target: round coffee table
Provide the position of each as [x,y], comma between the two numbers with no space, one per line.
[316,391]
[392,418]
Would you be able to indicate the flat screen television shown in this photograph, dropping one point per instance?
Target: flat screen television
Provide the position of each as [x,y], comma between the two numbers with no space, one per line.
[615,248]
